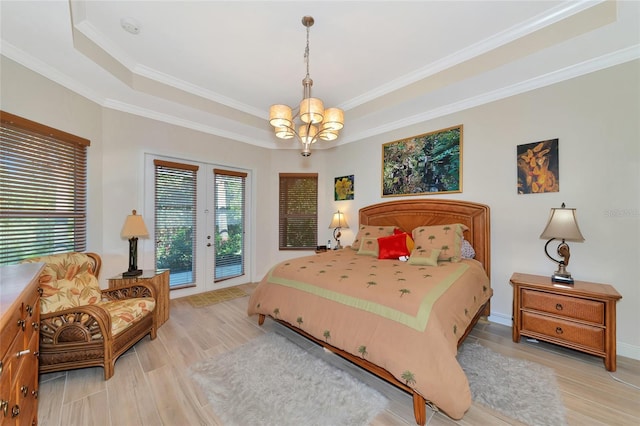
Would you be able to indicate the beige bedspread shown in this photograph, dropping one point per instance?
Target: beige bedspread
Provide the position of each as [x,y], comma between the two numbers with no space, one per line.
[404,318]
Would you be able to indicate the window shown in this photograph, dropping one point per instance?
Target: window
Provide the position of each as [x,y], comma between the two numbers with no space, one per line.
[43,181]
[175,221]
[298,211]
[229,193]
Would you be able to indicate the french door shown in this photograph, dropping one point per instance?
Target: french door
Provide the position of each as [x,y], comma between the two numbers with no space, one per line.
[200,224]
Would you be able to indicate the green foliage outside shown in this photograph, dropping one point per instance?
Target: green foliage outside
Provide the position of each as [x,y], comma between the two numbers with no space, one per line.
[176,251]
[230,245]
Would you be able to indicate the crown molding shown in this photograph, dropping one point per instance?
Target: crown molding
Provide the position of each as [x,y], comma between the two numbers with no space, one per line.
[552,16]
[586,67]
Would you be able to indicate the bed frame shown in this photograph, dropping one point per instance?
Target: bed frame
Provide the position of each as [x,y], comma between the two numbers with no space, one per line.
[407,215]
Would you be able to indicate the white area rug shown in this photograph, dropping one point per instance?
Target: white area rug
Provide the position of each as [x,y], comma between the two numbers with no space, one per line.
[272,381]
[518,388]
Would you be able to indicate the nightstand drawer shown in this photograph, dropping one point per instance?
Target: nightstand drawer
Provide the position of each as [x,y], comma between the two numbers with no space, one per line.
[570,307]
[554,328]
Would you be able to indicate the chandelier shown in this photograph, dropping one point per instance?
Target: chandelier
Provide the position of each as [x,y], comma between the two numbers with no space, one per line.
[317,122]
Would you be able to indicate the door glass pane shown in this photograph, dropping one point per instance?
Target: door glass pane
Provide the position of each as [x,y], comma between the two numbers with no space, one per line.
[175,221]
[229,196]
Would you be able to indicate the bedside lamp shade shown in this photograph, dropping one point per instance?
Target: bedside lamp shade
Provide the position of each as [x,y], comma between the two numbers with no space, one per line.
[133,228]
[337,222]
[562,225]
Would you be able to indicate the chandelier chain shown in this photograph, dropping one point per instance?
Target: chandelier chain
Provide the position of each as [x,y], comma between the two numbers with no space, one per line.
[306,53]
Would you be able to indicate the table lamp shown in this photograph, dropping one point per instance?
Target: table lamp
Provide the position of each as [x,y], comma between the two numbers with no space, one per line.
[563,226]
[133,228]
[339,221]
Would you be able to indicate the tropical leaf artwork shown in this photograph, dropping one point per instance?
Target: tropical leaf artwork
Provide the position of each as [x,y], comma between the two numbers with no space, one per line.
[538,167]
[424,164]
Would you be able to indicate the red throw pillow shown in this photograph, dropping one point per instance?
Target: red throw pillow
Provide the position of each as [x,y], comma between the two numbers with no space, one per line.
[393,246]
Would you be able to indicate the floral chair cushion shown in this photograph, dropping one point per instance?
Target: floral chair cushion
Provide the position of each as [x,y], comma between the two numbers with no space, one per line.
[127,311]
[67,280]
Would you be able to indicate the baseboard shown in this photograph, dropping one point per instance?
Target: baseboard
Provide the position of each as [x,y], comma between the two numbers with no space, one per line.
[623,349]
[627,350]
[501,319]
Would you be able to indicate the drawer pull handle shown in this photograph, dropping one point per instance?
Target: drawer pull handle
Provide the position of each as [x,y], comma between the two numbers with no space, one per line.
[35,325]
[559,330]
[4,406]
[25,390]
[15,411]
[558,306]
[22,324]
[30,310]
[35,393]
[25,352]
[40,291]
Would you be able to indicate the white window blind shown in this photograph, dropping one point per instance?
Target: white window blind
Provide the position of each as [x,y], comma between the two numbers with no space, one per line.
[229,199]
[43,182]
[175,221]
[298,211]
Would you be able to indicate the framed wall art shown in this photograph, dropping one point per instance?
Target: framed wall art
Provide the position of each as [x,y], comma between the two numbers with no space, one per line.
[538,167]
[343,188]
[426,164]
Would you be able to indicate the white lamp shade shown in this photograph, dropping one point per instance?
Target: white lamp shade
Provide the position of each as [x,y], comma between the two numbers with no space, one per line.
[284,132]
[311,110]
[307,133]
[280,116]
[134,227]
[328,135]
[562,225]
[338,221]
[333,119]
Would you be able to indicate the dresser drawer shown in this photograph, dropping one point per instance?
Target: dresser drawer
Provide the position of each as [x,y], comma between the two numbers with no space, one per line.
[567,331]
[571,307]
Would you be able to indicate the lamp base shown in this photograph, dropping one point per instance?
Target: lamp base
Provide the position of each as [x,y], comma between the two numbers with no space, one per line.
[562,275]
[562,279]
[133,273]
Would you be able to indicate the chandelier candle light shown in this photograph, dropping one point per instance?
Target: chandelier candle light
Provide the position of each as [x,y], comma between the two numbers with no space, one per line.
[133,228]
[317,122]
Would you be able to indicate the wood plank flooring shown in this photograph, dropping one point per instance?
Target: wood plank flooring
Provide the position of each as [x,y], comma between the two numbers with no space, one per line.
[151,385]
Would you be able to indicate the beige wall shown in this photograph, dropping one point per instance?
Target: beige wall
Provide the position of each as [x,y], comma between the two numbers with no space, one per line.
[595,118]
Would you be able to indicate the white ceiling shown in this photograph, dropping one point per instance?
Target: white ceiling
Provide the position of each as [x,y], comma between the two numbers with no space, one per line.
[217,66]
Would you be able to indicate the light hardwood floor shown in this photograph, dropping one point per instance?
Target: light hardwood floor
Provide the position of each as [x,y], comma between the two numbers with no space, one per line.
[151,385]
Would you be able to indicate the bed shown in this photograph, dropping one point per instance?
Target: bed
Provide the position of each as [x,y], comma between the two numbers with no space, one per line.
[400,320]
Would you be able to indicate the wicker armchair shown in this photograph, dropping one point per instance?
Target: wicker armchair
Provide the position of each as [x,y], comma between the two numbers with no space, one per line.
[82,325]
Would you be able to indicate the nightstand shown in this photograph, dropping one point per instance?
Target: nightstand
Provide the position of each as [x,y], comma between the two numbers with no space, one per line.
[159,279]
[581,316]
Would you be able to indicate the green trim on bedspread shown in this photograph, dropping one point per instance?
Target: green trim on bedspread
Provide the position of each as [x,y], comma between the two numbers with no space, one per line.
[418,322]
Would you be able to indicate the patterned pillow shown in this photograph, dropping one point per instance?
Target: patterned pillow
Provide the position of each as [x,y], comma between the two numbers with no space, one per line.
[447,238]
[427,256]
[371,231]
[369,247]
[467,250]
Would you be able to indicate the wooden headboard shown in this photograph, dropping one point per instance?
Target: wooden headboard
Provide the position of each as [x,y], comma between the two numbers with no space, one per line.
[409,214]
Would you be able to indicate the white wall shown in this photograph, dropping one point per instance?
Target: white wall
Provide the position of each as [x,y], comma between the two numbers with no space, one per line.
[595,118]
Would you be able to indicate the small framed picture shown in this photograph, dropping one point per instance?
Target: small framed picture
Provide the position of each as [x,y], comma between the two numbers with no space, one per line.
[343,188]
[538,168]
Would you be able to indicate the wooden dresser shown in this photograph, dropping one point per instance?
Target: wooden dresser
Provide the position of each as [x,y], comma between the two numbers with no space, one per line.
[581,316]
[19,325]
